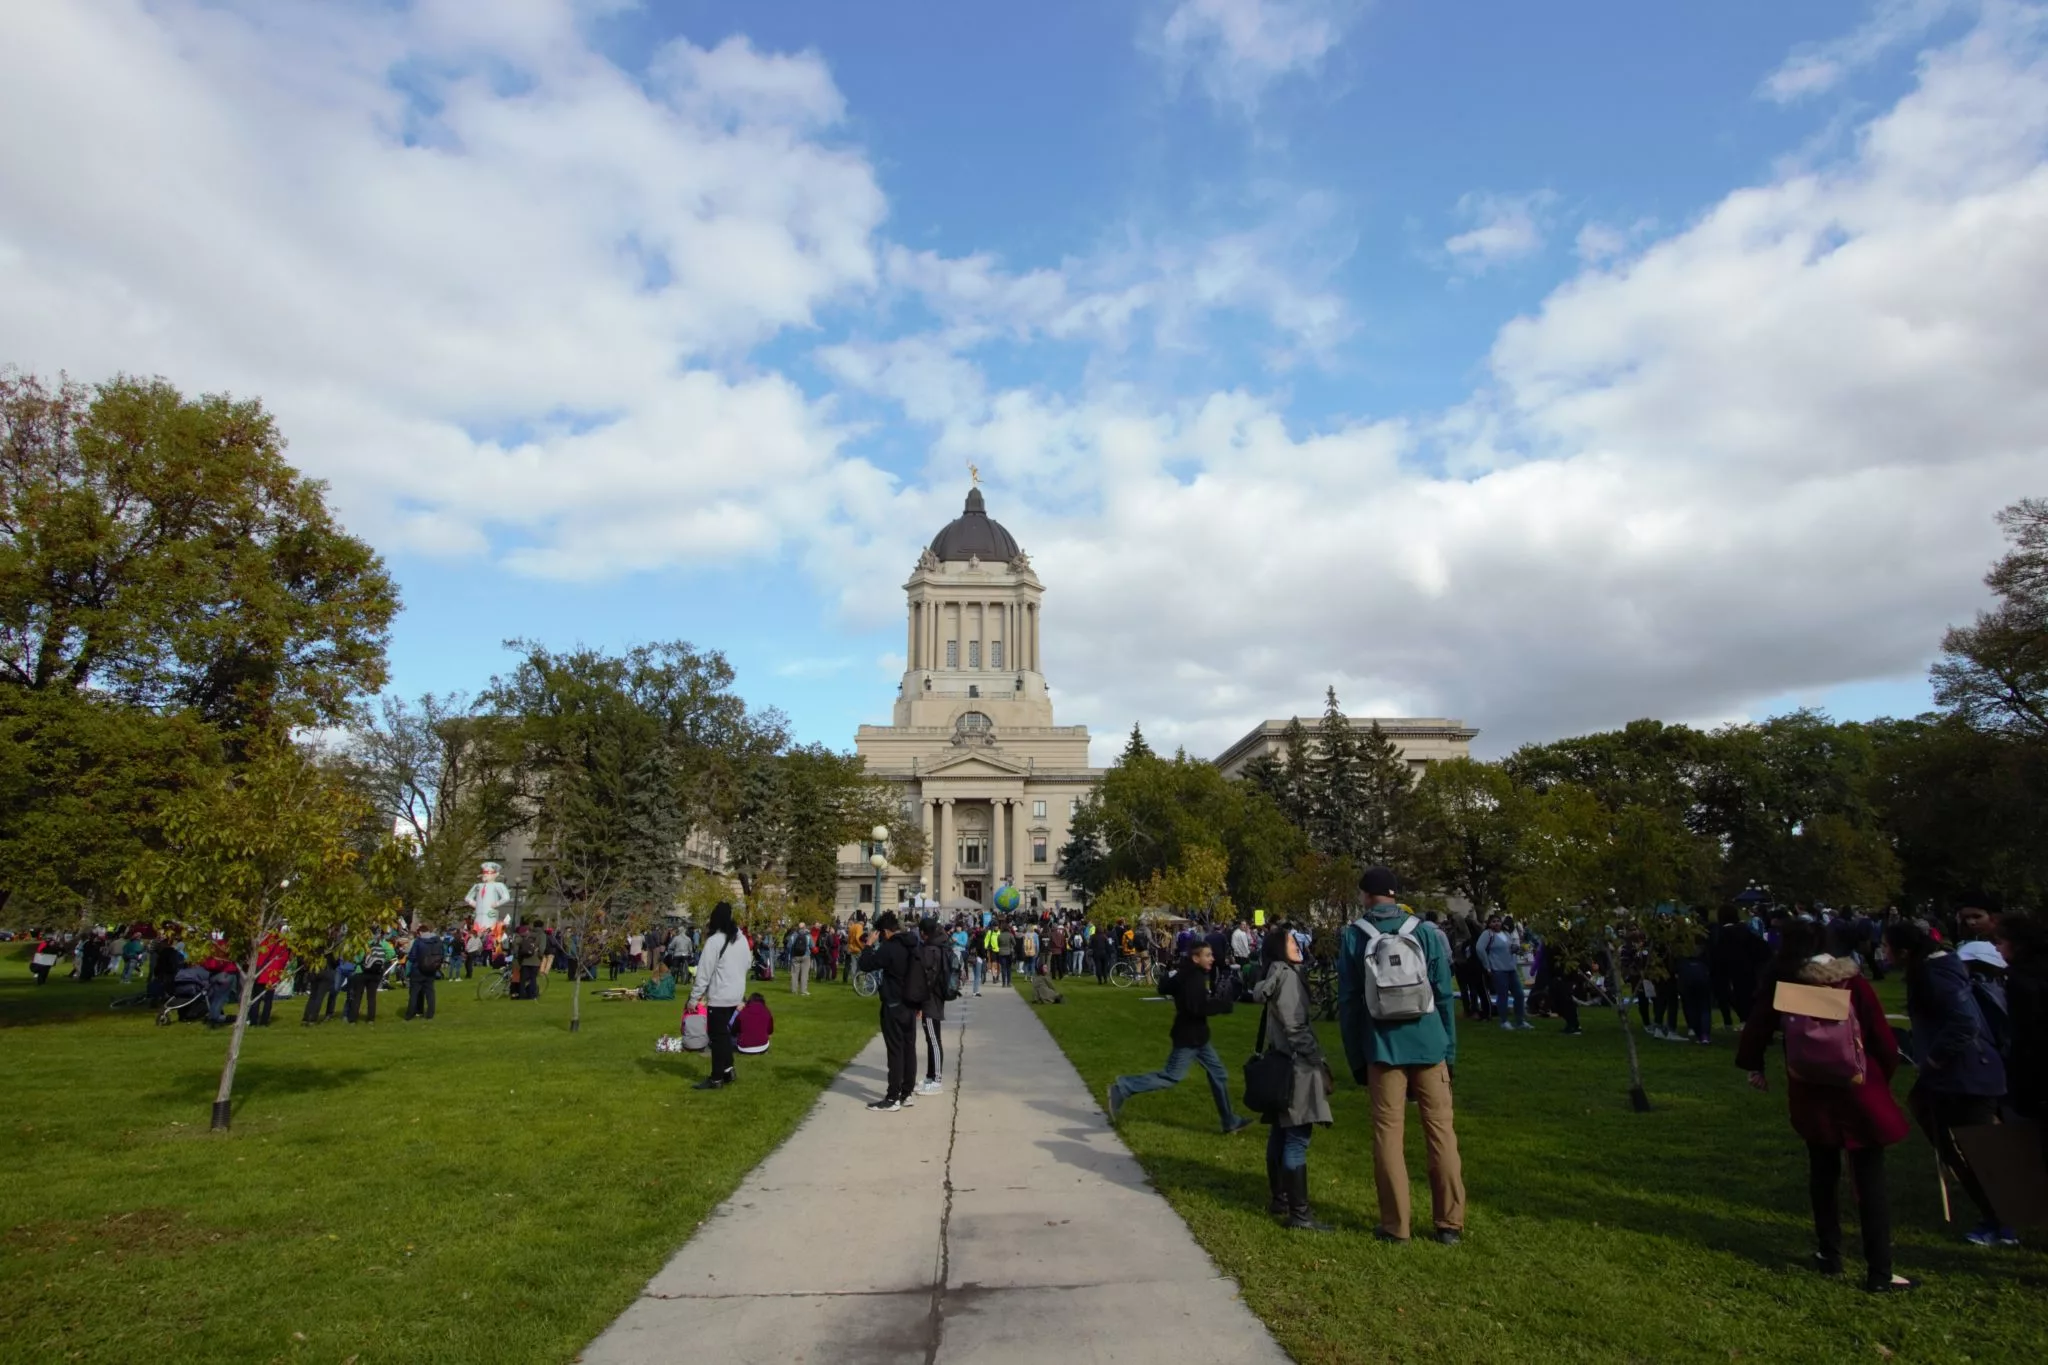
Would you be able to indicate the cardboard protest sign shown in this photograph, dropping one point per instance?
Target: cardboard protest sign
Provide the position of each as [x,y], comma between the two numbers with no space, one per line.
[1816,1002]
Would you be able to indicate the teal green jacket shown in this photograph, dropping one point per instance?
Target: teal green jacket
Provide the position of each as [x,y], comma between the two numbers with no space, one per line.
[1412,1042]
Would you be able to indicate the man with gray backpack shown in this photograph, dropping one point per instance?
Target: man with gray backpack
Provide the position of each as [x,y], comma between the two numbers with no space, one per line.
[1394,1009]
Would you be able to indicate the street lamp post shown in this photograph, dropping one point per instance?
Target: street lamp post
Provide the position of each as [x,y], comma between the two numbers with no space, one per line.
[878,860]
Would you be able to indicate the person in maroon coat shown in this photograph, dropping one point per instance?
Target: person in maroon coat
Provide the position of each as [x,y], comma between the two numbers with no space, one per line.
[1859,1120]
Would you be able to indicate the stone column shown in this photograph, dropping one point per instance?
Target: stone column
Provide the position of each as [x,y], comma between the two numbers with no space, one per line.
[942,852]
[999,838]
[929,813]
[1014,814]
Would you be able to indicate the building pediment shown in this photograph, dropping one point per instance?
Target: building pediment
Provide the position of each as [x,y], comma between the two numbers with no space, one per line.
[975,763]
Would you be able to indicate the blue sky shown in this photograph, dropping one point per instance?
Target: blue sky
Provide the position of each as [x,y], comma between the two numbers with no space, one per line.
[1545,366]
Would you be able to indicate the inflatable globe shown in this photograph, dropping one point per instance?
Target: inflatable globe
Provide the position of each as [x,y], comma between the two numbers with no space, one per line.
[1008,899]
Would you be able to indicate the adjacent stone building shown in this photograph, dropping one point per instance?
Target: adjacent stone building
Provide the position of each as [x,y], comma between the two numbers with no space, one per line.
[1421,741]
[972,742]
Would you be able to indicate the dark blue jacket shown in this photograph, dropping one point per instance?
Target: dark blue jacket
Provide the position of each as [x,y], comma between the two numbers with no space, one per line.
[416,955]
[1950,1045]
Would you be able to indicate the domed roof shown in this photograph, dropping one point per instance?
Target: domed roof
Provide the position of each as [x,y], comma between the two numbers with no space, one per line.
[973,535]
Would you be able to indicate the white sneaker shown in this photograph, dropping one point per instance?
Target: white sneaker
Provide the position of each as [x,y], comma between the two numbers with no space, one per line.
[930,1087]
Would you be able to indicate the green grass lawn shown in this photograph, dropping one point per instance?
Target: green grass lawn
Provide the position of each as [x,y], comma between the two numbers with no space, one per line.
[480,1187]
[1594,1234]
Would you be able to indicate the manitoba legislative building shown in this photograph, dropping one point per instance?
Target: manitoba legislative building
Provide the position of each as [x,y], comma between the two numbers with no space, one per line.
[973,746]
[972,742]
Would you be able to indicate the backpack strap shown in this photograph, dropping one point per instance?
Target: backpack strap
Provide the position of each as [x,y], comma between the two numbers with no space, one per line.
[1371,934]
[1407,929]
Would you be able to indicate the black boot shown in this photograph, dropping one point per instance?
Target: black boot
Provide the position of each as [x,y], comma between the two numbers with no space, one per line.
[1298,1216]
[1276,1187]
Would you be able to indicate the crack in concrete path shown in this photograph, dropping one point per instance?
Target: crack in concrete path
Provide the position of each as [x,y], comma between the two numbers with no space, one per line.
[937,1327]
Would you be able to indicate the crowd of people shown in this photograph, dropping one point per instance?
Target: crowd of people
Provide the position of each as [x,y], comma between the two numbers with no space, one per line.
[1976,993]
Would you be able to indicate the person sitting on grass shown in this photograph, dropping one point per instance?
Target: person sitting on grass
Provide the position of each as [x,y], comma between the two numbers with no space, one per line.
[660,986]
[1043,992]
[753,1025]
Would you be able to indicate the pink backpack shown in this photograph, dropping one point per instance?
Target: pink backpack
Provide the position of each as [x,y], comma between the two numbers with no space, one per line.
[1823,1051]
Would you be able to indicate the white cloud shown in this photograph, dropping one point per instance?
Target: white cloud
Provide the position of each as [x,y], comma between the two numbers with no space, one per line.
[1758,456]
[490,282]
[1505,227]
[1235,49]
[1599,243]
[1819,67]
[510,300]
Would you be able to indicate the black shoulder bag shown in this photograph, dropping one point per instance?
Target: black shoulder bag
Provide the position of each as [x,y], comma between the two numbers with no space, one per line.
[1268,1075]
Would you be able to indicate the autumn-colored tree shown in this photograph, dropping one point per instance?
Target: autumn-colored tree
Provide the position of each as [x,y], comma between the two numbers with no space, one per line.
[265,850]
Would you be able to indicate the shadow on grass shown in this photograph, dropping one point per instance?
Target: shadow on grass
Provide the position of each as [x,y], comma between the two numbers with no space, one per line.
[23,1004]
[264,1080]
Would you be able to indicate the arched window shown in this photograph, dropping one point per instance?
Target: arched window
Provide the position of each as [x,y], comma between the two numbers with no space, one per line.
[973,725]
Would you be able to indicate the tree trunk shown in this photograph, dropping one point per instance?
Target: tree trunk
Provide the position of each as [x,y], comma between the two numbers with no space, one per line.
[1638,1098]
[223,1102]
[576,999]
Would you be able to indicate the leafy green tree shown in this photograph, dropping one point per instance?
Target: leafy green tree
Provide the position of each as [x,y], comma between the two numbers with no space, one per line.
[831,802]
[1198,883]
[1964,808]
[1591,881]
[445,778]
[1146,813]
[1315,888]
[1994,673]
[615,753]
[1467,818]
[83,784]
[159,550]
[1120,901]
[1790,803]
[266,850]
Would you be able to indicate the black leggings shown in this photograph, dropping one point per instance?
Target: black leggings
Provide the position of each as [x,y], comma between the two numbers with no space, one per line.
[1873,1205]
[719,1018]
[1564,1003]
[1667,1004]
[934,1047]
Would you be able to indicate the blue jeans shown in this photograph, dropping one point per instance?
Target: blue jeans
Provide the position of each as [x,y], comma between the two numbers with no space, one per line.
[980,969]
[1507,985]
[1289,1146]
[1177,1063]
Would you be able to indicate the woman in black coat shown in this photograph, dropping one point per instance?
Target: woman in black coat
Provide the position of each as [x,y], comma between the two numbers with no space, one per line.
[1960,1077]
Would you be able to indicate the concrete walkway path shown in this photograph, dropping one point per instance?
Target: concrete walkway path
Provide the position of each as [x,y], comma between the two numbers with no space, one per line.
[1000,1220]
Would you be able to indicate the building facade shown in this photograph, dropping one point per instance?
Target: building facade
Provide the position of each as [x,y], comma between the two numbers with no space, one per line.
[972,742]
[1421,741]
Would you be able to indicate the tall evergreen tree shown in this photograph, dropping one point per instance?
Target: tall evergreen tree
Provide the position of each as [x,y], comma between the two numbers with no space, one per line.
[1135,747]
[1385,785]
[1338,822]
[1297,798]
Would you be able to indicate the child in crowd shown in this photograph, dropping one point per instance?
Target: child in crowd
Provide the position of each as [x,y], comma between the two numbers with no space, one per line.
[753,1025]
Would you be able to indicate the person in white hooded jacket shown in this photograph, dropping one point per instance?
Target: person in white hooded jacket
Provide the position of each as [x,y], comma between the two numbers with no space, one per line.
[721,983]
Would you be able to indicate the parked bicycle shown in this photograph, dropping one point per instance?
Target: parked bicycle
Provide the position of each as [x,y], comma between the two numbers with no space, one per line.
[497,984]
